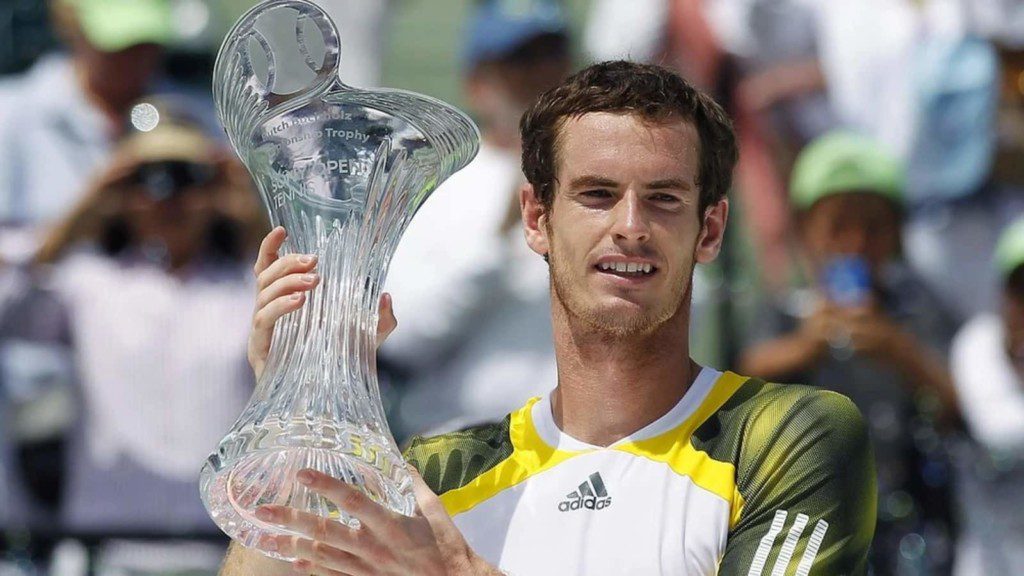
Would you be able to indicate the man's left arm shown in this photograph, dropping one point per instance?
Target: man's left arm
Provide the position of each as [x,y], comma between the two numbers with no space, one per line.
[807,476]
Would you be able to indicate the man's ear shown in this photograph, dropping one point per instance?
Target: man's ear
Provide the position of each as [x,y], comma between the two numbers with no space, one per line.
[534,220]
[712,232]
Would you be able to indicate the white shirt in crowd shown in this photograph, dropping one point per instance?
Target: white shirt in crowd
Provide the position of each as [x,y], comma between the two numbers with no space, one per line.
[161,376]
[471,301]
[991,469]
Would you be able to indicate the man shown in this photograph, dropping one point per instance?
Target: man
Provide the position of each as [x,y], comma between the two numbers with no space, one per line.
[71,109]
[478,335]
[639,461]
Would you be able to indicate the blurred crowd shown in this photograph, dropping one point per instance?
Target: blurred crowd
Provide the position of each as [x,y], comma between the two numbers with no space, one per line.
[876,249]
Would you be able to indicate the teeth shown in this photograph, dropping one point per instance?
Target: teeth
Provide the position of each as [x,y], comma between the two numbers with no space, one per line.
[631,267]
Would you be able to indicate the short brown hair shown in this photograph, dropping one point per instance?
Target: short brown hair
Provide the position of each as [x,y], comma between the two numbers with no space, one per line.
[651,92]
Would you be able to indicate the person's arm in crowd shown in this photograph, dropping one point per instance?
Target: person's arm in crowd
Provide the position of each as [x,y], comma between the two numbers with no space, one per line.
[85,218]
[867,332]
[788,354]
[874,335]
[807,475]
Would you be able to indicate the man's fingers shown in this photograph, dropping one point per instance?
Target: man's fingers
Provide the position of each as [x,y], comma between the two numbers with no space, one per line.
[312,526]
[300,282]
[321,558]
[428,502]
[305,567]
[289,264]
[346,497]
[323,543]
[269,248]
[266,316]
[386,322]
[303,551]
[431,508]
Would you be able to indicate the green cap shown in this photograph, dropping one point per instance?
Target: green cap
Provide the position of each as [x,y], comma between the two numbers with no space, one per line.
[113,25]
[844,162]
[1010,248]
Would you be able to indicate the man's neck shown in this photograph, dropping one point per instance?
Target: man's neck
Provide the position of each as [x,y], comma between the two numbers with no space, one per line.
[611,386]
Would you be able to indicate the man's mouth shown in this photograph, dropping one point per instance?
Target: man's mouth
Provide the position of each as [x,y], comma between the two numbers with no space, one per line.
[627,269]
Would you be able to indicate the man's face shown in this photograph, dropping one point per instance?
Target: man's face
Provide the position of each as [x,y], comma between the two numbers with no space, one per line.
[623,232]
[852,224]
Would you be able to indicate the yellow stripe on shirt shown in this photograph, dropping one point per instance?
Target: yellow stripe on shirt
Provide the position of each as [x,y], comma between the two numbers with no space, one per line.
[531,456]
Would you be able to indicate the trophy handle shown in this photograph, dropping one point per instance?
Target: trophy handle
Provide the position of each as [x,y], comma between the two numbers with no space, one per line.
[259,73]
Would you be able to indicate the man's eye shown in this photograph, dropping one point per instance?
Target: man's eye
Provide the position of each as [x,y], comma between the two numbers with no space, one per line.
[665,199]
[597,193]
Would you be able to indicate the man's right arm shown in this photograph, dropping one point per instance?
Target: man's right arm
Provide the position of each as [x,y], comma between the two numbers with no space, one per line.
[241,561]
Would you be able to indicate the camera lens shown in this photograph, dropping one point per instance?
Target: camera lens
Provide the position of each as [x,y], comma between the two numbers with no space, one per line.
[162,180]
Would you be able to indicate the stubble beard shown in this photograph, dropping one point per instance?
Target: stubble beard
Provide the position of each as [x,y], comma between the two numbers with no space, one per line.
[642,324]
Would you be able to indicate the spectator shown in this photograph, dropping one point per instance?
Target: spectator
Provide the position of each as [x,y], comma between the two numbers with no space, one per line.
[148,277]
[988,369]
[869,330]
[921,77]
[472,300]
[70,106]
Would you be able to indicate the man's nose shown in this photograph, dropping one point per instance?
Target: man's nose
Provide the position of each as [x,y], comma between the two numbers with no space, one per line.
[630,221]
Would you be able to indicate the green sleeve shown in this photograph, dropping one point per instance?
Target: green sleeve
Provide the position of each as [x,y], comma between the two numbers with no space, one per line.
[806,474]
[452,460]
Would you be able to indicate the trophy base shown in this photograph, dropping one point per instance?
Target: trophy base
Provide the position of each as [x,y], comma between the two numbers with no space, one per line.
[232,490]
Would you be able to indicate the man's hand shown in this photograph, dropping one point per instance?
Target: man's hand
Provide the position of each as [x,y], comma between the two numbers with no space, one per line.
[282,283]
[386,543]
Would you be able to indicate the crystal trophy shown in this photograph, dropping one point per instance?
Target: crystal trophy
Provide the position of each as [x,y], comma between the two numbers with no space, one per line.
[344,170]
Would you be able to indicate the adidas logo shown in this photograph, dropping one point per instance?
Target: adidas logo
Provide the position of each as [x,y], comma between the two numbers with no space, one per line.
[591,495]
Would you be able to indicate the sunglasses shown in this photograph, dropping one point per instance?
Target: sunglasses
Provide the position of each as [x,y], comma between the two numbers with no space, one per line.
[169,178]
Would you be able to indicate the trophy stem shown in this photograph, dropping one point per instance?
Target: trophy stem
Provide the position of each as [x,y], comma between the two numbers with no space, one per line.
[317,404]
[327,347]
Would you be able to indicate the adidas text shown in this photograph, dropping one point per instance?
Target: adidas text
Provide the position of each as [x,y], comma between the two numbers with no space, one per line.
[590,495]
[589,503]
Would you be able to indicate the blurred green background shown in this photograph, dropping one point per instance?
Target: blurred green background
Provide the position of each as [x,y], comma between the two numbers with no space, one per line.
[422,39]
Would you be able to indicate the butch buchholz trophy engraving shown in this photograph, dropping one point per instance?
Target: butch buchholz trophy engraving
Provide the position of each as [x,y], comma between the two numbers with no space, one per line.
[343,170]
